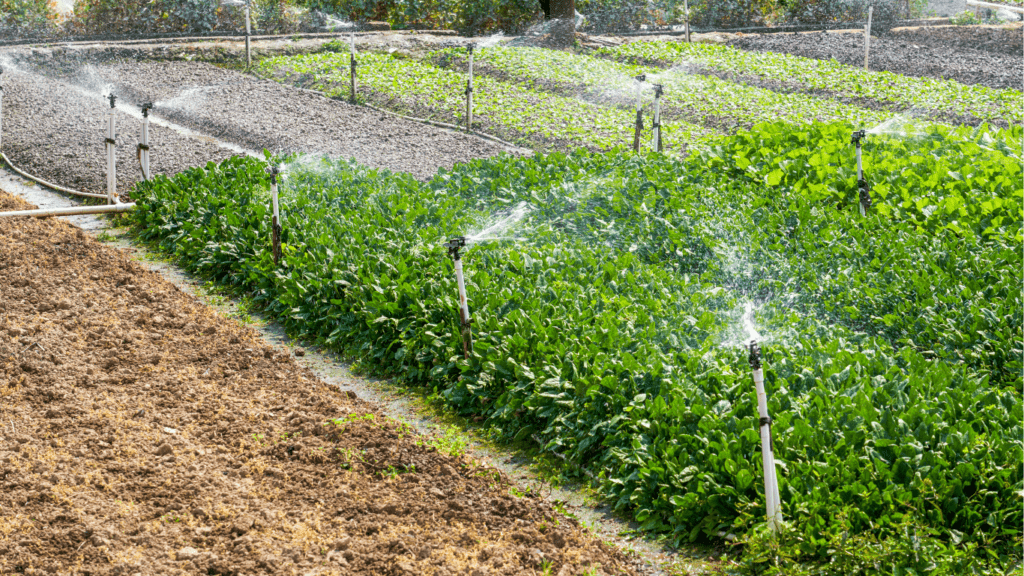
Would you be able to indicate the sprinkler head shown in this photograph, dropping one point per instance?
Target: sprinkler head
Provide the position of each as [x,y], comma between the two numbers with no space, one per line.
[858,136]
[454,245]
[146,108]
[641,78]
[470,46]
[755,355]
[273,170]
[112,98]
[658,90]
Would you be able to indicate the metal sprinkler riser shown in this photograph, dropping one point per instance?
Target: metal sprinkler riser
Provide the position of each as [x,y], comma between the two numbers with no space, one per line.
[864,194]
[275,223]
[142,152]
[454,245]
[469,90]
[656,126]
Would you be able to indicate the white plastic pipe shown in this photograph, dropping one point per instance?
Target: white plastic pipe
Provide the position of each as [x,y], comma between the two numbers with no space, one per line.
[773,502]
[639,113]
[1006,7]
[686,9]
[860,175]
[273,196]
[144,151]
[656,139]
[248,31]
[49,185]
[47,212]
[111,159]
[463,304]
[1,115]
[469,92]
[867,37]
[352,69]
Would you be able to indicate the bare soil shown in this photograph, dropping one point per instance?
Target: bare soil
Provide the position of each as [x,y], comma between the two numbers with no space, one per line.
[902,55]
[140,433]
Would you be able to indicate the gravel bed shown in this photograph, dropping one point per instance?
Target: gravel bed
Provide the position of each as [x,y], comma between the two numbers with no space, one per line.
[55,131]
[264,115]
[965,65]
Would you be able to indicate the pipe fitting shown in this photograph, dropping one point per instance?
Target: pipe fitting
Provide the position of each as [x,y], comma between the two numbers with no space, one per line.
[641,78]
[112,99]
[858,136]
[273,170]
[146,108]
[658,90]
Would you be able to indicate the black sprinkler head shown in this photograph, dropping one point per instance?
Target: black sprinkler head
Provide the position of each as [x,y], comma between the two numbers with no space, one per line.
[146,108]
[755,355]
[858,136]
[112,98]
[454,245]
[641,78]
[273,170]
[658,90]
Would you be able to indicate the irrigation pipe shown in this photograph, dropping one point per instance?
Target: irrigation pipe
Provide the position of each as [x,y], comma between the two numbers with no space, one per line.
[494,139]
[1016,9]
[51,185]
[47,212]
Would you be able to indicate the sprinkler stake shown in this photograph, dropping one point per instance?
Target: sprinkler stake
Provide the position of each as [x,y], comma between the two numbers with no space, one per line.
[469,91]
[248,31]
[142,153]
[639,111]
[111,144]
[862,183]
[454,245]
[275,223]
[352,71]
[773,503]
[656,126]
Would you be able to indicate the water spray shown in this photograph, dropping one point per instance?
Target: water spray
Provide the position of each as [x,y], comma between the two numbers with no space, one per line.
[275,223]
[469,90]
[862,184]
[352,70]
[773,502]
[656,126]
[111,153]
[639,111]
[454,245]
[143,150]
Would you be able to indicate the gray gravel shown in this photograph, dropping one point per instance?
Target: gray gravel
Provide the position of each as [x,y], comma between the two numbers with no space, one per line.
[56,132]
[262,114]
[960,63]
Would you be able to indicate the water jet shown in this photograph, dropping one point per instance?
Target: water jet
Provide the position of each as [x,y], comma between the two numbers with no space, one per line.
[454,245]
[862,184]
[773,503]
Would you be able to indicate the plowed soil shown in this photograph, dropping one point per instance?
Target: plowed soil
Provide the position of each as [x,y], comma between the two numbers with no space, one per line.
[140,433]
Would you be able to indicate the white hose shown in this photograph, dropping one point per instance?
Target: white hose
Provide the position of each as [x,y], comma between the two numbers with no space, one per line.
[50,185]
[47,212]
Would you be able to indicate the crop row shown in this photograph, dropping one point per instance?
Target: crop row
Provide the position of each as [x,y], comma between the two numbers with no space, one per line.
[518,114]
[607,320]
[704,100]
[929,97]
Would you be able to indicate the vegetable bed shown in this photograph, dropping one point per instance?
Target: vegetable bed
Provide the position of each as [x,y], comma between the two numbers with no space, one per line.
[611,319]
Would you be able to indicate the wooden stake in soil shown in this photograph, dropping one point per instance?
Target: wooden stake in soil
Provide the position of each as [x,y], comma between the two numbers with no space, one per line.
[867,37]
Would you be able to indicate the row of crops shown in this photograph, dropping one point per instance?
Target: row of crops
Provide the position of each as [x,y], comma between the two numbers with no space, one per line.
[556,100]
[610,299]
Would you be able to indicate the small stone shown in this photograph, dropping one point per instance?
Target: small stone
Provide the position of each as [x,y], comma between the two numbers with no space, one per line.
[187,553]
[300,352]
[164,449]
[170,430]
[435,492]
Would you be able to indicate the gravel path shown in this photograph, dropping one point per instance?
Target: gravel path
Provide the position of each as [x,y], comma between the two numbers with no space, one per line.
[56,132]
[962,64]
[261,114]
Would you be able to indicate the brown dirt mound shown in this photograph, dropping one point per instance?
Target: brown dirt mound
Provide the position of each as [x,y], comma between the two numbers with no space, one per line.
[140,433]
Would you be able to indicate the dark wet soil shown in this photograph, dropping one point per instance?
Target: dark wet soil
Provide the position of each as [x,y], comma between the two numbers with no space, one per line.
[1005,39]
[140,432]
[902,56]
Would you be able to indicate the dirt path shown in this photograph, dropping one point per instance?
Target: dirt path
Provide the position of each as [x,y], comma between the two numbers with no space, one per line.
[142,433]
